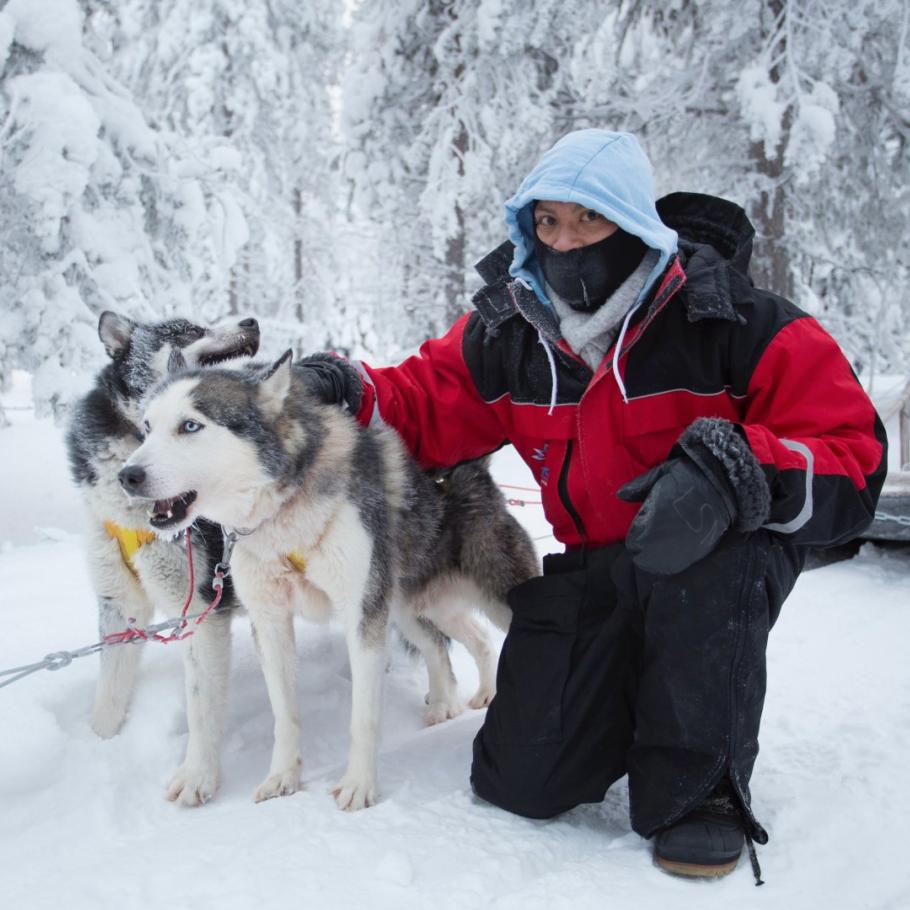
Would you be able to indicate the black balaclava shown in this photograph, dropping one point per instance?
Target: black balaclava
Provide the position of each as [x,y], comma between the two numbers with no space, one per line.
[584,278]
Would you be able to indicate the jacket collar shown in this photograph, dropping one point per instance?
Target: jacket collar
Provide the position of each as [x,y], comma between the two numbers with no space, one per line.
[503,297]
[713,285]
[715,245]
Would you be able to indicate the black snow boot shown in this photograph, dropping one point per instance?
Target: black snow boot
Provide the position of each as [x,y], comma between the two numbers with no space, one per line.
[708,841]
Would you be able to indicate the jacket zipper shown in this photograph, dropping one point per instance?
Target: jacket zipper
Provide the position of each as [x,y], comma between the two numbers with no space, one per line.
[563,487]
[563,484]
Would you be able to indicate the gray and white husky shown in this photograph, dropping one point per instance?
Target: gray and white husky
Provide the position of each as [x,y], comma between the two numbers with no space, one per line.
[133,571]
[332,516]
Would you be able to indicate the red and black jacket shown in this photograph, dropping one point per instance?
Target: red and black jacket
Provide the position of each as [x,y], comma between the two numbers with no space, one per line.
[709,344]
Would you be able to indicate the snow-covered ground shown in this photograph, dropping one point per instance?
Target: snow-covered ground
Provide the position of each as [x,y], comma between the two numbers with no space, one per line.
[85,824]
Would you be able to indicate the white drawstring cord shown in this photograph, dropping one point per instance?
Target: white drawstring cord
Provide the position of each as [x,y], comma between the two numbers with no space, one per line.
[554,380]
[618,349]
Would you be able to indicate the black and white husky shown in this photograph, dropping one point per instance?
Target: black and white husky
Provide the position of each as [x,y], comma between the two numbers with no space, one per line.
[331,516]
[133,571]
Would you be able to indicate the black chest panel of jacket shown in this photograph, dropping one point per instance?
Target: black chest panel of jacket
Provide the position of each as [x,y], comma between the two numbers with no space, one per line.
[708,336]
[514,362]
[680,350]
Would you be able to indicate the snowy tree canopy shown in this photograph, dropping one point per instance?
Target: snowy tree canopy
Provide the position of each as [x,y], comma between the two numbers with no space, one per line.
[259,75]
[445,105]
[102,211]
[796,110]
[336,170]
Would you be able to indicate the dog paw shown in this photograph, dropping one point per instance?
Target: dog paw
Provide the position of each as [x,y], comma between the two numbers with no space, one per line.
[352,794]
[192,786]
[482,697]
[107,723]
[282,784]
[440,711]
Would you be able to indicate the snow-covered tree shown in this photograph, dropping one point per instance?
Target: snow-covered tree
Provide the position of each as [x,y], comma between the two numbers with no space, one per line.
[445,105]
[258,73]
[798,110]
[101,211]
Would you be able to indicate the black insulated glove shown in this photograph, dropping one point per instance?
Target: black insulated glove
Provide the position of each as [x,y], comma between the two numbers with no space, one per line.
[684,515]
[331,380]
[710,483]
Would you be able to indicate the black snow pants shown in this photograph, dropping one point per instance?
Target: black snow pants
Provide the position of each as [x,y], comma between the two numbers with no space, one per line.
[607,670]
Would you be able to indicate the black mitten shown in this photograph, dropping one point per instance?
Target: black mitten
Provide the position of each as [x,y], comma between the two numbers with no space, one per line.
[331,379]
[684,515]
[710,482]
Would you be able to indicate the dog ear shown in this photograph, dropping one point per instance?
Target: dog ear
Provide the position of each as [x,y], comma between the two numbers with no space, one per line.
[115,332]
[176,363]
[275,385]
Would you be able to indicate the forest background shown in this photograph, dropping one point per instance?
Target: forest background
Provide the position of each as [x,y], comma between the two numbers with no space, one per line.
[335,169]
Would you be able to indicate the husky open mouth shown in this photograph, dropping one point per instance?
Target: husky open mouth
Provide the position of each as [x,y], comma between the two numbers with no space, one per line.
[212,358]
[167,512]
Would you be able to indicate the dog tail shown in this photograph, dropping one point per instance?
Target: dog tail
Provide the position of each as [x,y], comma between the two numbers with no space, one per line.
[494,548]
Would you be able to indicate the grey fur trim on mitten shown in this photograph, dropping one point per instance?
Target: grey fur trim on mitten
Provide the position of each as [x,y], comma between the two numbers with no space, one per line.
[742,469]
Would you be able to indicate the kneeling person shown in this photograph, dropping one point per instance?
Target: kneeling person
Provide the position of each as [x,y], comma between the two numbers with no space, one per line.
[692,435]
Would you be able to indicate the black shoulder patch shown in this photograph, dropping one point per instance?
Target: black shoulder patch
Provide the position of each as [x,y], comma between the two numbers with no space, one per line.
[494,267]
[495,304]
[494,301]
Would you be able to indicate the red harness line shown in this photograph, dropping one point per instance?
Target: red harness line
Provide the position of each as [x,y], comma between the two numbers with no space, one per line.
[511,501]
[177,633]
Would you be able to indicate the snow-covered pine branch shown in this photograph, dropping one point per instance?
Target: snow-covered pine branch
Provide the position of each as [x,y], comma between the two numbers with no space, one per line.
[258,75]
[101,210]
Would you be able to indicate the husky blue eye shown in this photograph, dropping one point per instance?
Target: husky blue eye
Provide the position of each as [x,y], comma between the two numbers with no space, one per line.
[190,426]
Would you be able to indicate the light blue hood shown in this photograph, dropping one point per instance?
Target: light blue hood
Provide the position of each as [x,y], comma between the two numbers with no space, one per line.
[601,170]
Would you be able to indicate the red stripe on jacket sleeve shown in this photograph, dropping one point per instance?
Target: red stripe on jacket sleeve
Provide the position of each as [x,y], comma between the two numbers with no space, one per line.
[431,400]
[804,390]
[816,433]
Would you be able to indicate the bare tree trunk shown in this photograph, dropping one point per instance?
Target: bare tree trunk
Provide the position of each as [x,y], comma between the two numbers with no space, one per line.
[771,264]
[454,283]
[234,292]
[227,130]
[298,253]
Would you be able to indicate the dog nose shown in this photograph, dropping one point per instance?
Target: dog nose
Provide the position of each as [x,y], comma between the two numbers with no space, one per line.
[249,324]
[131,477]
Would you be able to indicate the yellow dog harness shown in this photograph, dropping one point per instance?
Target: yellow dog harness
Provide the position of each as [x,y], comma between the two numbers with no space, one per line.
[129,540]
[298,560]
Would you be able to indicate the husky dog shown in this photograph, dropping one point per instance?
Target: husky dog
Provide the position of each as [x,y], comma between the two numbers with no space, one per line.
[331,516]
[133,571]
